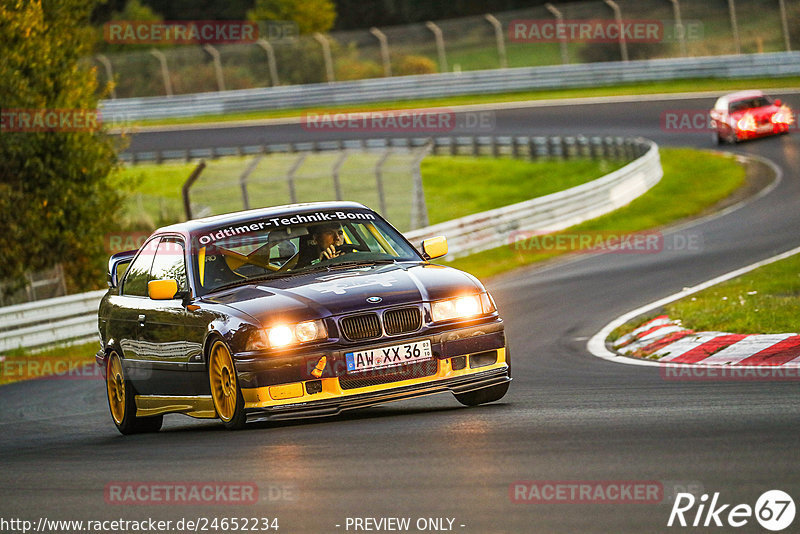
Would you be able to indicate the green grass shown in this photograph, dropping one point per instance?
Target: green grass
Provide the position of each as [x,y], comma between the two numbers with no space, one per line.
[693,182]
[456,186]
[678,86]
[764,301]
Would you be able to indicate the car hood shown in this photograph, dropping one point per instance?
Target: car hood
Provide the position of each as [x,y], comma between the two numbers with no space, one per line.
[341,291]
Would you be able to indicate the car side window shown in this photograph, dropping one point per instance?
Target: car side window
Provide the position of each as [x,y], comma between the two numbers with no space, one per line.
[169,262]
[138,273]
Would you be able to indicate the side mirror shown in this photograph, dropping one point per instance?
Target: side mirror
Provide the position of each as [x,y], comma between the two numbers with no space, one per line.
[117,265]
[434,247]
[162,289]
[778,102]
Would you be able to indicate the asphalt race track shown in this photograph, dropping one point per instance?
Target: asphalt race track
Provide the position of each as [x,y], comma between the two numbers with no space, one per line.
[569,416]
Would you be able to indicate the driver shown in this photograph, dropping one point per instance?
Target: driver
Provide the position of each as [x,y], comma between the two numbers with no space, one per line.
[327,237]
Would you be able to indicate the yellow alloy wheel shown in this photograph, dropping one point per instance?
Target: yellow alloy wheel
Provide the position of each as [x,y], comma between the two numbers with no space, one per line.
[115,382]
[222,376]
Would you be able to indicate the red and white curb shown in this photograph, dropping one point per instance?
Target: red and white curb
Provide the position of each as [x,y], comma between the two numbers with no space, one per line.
[680,346]
[664,340]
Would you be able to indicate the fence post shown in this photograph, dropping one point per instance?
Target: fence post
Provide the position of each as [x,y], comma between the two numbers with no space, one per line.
[326,54]
[109,73]
[623,45]
[337,186]
[162,59]
[563,40]
[379,181]
[438,36]
[384,43]
[214,53]
[290,176]
[187,206]
[271,64]
[785,25]
[676,11]
[419,209]
[498,35]
[734,26]
[243,179]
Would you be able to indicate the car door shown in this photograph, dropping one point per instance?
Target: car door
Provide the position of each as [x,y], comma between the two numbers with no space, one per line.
[164,347]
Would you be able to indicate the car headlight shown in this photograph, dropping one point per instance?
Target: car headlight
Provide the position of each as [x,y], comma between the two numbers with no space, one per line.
[747,123]
[782,116]
[285,335]
[462,307]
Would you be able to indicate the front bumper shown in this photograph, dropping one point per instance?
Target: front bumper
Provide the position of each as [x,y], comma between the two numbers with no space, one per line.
[335,403]
[464,359]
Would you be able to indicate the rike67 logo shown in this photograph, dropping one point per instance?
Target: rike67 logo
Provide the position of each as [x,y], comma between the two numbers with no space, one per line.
[774,510]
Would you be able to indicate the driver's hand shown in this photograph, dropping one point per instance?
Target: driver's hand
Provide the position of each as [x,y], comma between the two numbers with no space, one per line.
[330,253]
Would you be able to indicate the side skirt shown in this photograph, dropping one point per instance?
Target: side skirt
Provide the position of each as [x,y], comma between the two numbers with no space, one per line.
[200,406]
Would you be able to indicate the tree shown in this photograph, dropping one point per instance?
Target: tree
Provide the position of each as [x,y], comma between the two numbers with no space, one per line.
[309,15]
[57,200]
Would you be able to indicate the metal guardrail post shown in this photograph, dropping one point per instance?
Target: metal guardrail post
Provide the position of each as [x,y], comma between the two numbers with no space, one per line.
[214,53]
[439,37]
[271,63]
[326,55]
[676,13]
[563,41]
[498,35]
[162,59]
[734,26]
[623,45]
[384,44]
[102,58]
[187,185]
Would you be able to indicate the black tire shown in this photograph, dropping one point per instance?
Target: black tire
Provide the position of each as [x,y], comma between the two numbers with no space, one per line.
[716,139]
[225,391]
[121,401]
[482,396]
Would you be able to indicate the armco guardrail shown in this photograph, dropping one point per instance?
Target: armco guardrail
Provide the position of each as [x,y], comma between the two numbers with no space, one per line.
[495,228]
[73,318]
[449,84]
[35,324]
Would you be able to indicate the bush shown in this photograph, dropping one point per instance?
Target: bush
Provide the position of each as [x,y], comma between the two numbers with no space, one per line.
[414,65]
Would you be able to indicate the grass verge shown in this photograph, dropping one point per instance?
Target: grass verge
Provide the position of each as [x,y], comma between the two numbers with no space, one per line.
[693,183]
[764,301]
[677,86]
[65,363]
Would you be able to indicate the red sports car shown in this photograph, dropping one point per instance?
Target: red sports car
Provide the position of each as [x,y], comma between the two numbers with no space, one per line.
[747,115]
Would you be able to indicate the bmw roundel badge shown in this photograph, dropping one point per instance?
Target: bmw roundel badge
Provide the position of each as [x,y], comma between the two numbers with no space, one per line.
[374,300]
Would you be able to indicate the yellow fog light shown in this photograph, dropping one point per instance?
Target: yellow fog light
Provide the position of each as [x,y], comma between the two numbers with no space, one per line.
[286,391]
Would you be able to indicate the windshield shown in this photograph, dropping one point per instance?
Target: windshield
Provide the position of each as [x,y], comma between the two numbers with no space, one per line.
[273,247]
[750,103]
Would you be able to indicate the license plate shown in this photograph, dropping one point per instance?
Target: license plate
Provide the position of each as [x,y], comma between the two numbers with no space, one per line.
[764,128]
[392,356]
